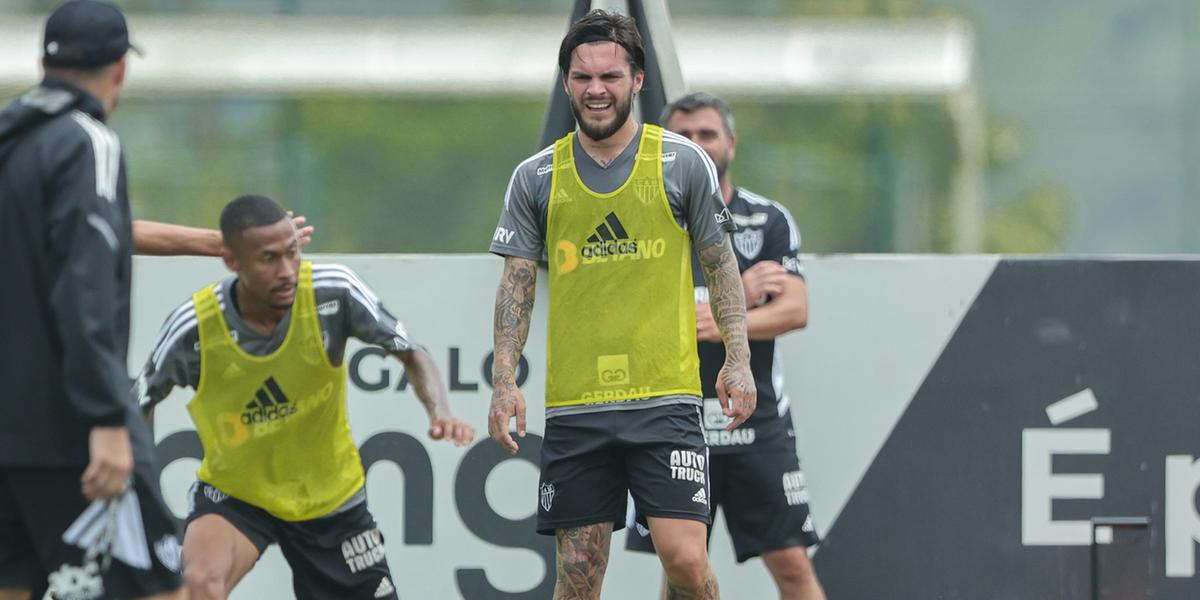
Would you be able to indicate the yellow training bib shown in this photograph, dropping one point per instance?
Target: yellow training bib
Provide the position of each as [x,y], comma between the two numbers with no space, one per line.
[274,427]
[622,319]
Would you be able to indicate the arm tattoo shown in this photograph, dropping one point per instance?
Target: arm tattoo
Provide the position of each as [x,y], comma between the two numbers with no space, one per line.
[582,558]
[514,308]
[726,297]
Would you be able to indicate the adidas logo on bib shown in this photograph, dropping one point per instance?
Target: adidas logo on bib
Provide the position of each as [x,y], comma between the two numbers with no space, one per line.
[700,497]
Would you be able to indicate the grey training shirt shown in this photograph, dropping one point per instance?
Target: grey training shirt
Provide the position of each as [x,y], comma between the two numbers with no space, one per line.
[346,308]
[693,192]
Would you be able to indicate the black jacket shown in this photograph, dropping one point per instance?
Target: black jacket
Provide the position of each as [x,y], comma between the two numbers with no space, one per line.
[65,245]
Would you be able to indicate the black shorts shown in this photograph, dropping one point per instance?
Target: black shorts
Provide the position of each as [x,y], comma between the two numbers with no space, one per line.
[41,508]
[340,556]
[592,462]
[765,500]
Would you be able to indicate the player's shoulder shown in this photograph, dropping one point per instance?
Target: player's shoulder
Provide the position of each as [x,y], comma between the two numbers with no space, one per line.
[752,202]
[677,148]
[336,275]
[181,328]
[77,129]
[334,281]
[682,157]
[186,310]
[539,164]
[75,135]
[755,210]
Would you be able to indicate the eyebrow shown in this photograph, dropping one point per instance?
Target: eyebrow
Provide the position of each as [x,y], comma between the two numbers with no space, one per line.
[576,72]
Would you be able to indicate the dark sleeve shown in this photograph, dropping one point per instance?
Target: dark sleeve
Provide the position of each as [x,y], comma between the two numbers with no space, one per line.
[174,362]
[782,243]
[85,257]
[370,322]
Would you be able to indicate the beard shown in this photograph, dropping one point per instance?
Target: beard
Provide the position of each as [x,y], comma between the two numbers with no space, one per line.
[601,131]
[722,166]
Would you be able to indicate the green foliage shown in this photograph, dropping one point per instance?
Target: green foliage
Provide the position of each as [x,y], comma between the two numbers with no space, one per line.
[1034,222]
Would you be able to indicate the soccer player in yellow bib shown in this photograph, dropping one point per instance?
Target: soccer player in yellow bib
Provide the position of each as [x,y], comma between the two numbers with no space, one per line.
[264,350]
[617,208]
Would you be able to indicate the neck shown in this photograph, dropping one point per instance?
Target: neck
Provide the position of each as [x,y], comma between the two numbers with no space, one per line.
[95,86]
[260,317]
[726,188]
[104,93]
[606,150]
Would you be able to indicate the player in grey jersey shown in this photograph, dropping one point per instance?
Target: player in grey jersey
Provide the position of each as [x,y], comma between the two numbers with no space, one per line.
[616,208]
[693,193]
[283,470]
[755,472]
[346,308]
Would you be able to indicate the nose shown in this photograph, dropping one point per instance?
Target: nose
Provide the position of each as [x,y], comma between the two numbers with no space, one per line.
[595,87]
[289,269]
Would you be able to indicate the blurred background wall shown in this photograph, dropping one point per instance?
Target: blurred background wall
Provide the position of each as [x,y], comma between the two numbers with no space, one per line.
[1076,130]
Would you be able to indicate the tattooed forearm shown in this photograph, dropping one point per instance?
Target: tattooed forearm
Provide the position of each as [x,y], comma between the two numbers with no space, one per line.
[726,296]
[514,307]
[426,381]
[707,591]
[582,558]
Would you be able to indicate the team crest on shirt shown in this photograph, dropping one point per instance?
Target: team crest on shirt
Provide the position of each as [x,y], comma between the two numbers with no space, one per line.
[645,188]
[546,494]
[749,242]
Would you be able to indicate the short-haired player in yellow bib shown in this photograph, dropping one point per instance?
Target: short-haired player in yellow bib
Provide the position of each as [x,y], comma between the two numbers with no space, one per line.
[264,350]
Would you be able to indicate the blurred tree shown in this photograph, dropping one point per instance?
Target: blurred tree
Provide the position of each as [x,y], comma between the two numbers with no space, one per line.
[423,174]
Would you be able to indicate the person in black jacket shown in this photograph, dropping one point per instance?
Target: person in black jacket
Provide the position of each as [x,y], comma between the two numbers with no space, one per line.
[81,513]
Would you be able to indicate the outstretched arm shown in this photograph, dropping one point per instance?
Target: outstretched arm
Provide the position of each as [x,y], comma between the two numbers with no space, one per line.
[165,239]
[514,309]
[727,298]
[431,391]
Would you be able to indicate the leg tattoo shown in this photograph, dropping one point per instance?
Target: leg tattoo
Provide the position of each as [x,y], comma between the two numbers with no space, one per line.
[582,559]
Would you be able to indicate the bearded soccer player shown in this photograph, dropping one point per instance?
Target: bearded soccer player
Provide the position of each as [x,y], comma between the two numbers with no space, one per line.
[617,208]
[264,350]
[755,472]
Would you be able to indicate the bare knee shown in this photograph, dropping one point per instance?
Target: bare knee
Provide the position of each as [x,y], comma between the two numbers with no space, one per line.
[686,566]
[205,581]
[793,572]
[795,569]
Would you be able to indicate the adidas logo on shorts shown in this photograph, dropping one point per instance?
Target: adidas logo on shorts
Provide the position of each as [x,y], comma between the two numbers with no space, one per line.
[700,497]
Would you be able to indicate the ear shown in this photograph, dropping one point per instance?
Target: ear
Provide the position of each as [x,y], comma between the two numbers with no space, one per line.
[229,259]
[118,77]
[639,78]
[732,146]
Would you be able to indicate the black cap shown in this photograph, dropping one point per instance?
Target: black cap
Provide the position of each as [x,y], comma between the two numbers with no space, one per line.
[85,34]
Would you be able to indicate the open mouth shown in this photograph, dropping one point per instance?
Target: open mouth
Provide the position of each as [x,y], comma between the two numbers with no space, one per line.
[598,107]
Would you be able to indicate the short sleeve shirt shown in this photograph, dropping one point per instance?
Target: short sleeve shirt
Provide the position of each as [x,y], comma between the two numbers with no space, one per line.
[346,308]
[689,176]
